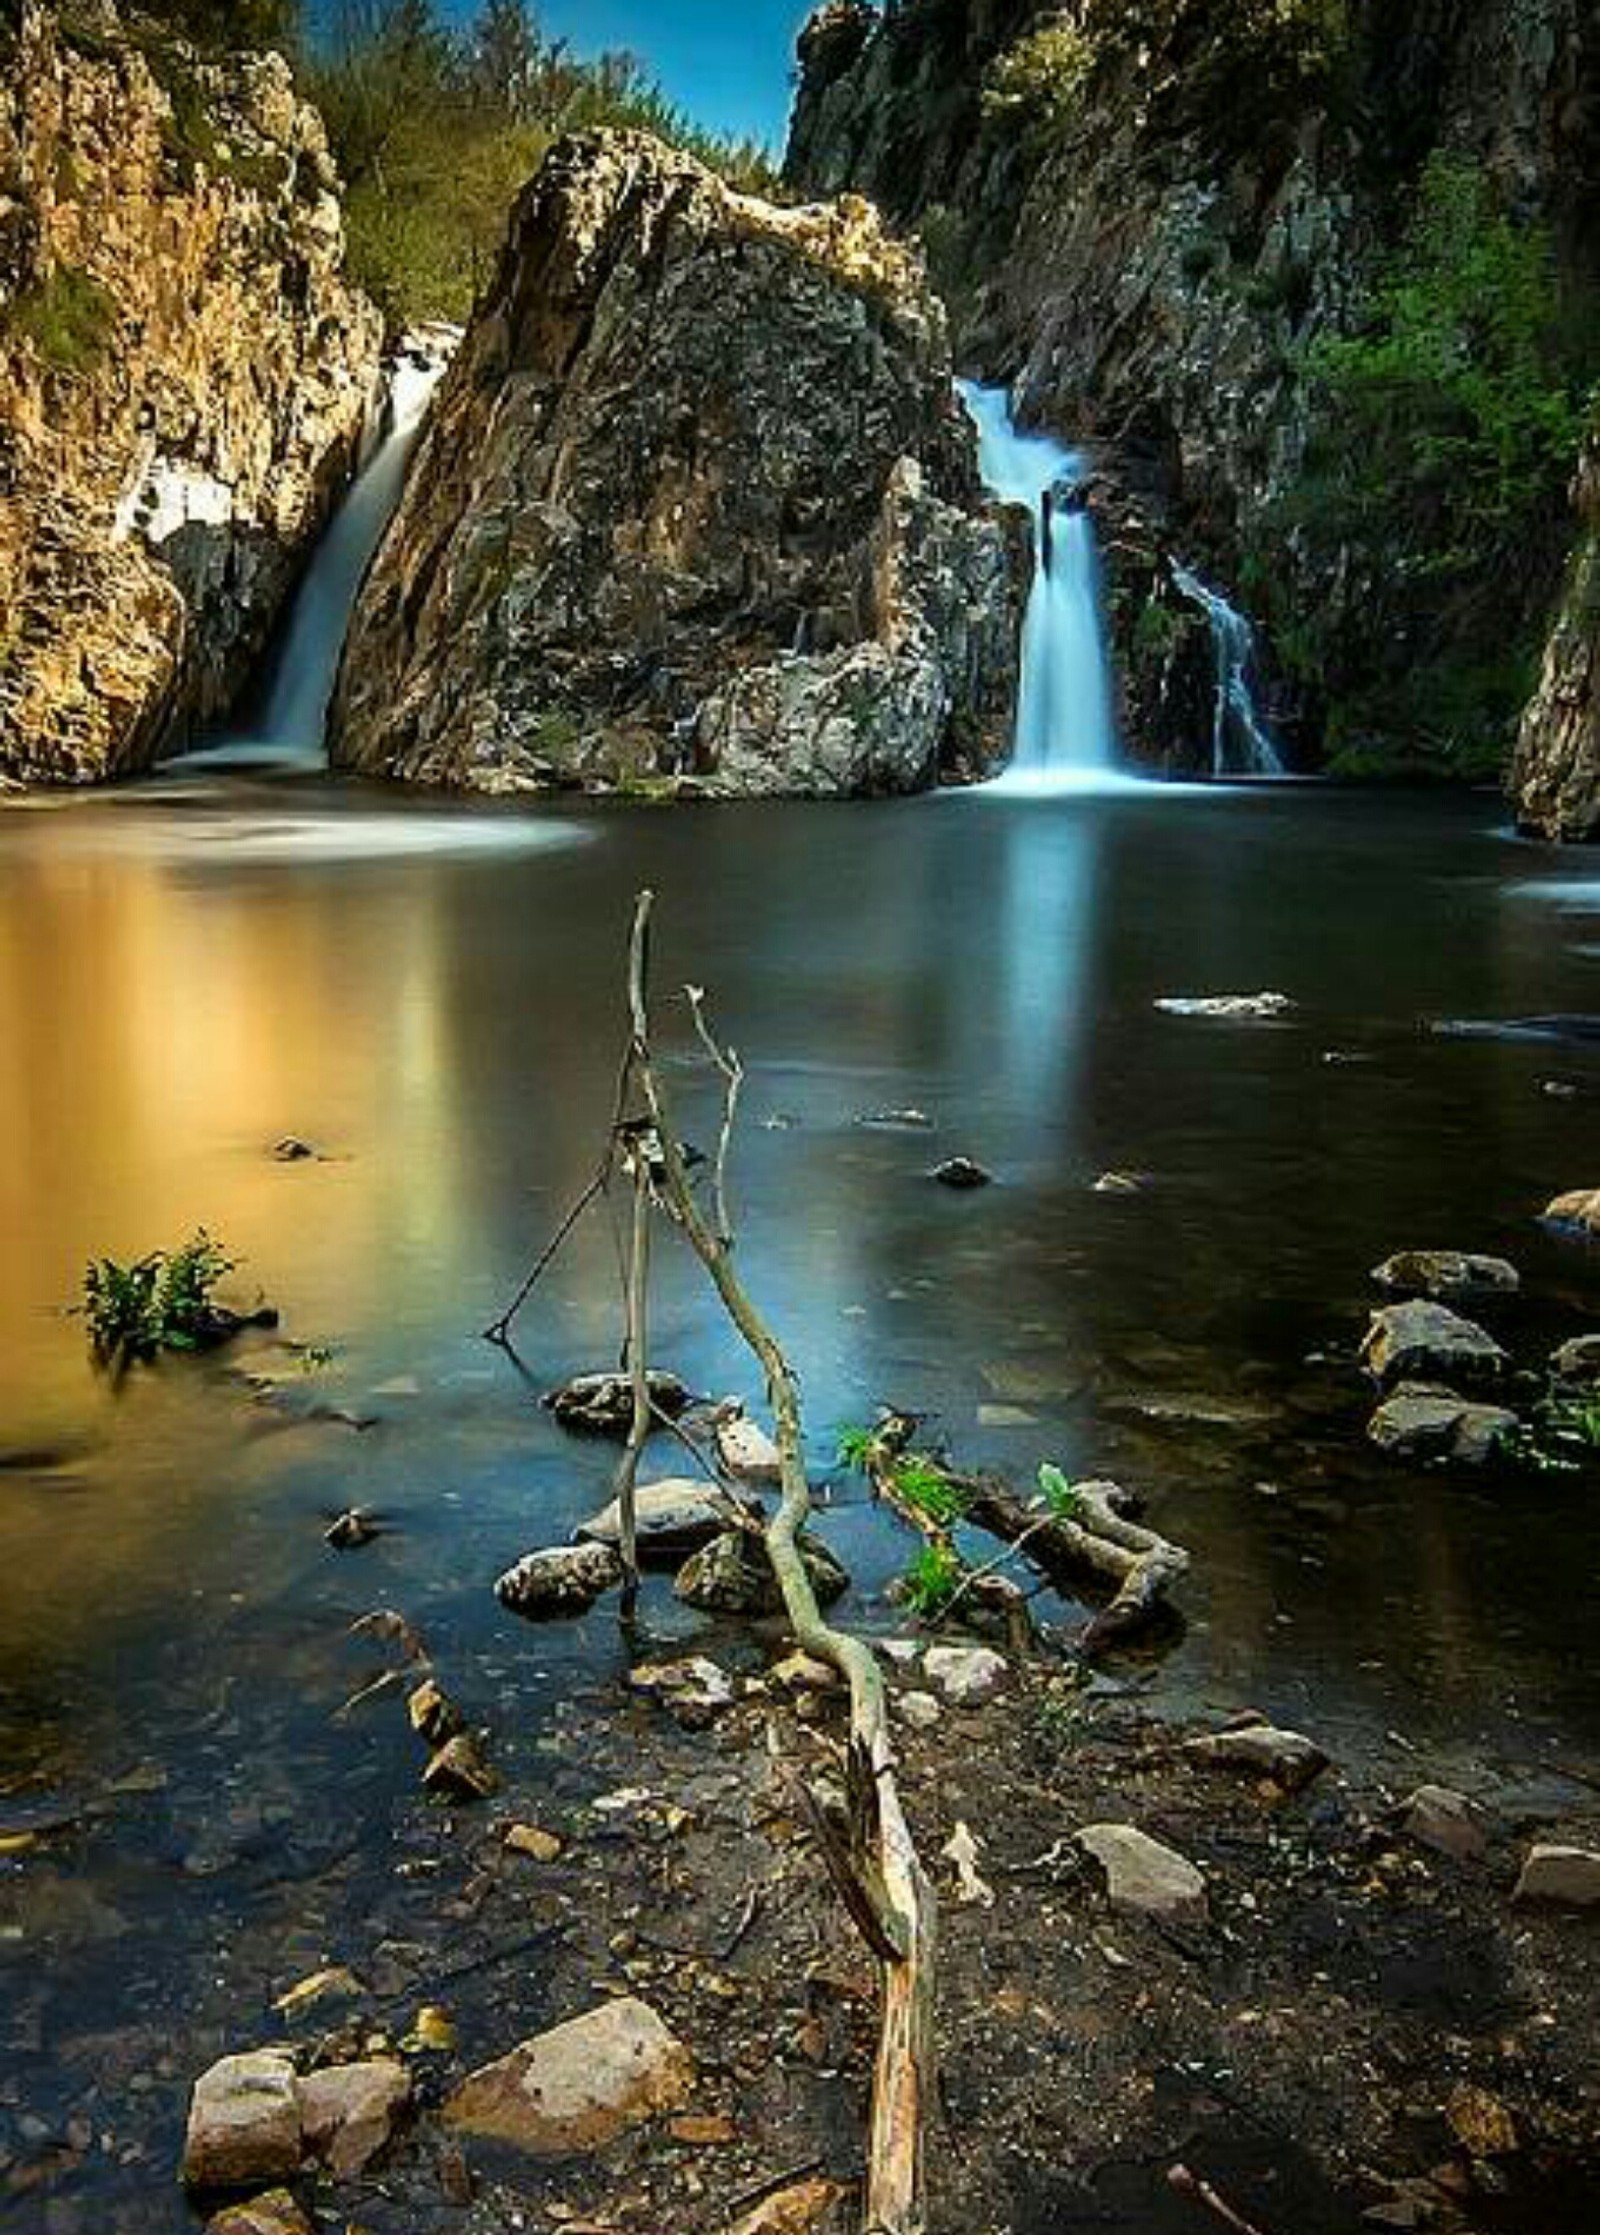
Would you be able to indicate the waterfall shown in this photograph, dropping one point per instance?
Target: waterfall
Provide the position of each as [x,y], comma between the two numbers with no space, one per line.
[1066,727]
[1241,743]
[288,730]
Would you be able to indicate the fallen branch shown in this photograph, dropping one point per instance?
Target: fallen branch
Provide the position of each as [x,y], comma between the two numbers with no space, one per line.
[903,2086]
[1098,1540]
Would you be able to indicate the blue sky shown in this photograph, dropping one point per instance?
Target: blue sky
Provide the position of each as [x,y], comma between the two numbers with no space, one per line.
[727,62]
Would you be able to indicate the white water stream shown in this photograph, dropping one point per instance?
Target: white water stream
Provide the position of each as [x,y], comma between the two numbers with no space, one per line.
[288,732]
[1241,742]
[1066,734]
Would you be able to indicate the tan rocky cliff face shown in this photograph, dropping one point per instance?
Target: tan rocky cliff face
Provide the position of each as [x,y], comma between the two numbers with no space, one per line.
[696,501]
[1151,275]
[184,377]
[1555,778]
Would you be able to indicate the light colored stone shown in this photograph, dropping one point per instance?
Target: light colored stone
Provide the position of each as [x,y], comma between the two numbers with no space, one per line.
[1579,1208]
[920,1709]
[244,2122]
[798,1672]
[567,1579]
[349,2112]
[797,2210]
[335,1985]
[577,2087]
[1261,1750]
[1568,1876]
[694,1691]
[530,1840]
[747,1451]
[1230,1008]
[967,1675]
[1578,1361]
[1445,1274]
[1445,1821]
[275,2213]
[1145,1879]
[672,1518]
[1421,1421]
[1417,1341]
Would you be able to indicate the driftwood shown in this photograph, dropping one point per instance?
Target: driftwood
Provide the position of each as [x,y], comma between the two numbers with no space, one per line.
[1099,1540]
[885,1871]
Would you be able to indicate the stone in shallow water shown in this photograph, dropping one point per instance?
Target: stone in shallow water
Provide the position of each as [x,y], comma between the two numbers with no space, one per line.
[1415,1341]
[1566,1876]
[1445,1273]
[602,1404]
[580,2085]
[1578,1361]
[1262,1750]
[693,1692]
[797,2210]
[732,1575]
[1145,1879]
[1580,1208]
[961,1173]
[564,1580]
[1445,1821]
[349,2112]
[1420,1421]
[747,1451]
[1229,1007]
[244,2122]
[672,1517]
[275,2213]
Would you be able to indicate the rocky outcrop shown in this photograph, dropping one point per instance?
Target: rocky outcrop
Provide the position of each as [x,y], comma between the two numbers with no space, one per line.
[696,503]
[1555,778]
[184,377]
[1147,230]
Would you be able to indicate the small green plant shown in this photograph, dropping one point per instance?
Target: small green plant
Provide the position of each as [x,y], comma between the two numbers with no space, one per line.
[929,1491]
[1061,1496]
[932,1578]
[1563,1432]
[68,316]
[159,1302]
[857,1449]
[1040,80]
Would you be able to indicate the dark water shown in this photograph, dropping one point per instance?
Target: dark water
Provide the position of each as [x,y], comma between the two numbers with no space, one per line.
[431,995]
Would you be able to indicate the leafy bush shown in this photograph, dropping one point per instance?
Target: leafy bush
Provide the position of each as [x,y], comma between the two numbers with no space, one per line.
[67,316]
[931,1581]
[1039,81]
[1065,1502]
[159,1302]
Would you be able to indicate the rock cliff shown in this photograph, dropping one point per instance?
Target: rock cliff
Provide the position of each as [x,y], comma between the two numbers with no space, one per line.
[1556,774]
[1146,217]
[184,378]
[696,503]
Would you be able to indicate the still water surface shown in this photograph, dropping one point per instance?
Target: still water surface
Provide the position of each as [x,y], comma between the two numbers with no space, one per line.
[430,993]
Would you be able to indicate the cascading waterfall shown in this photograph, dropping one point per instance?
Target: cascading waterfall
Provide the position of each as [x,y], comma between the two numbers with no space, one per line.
[288,732]
[1241,742]
[1066,726]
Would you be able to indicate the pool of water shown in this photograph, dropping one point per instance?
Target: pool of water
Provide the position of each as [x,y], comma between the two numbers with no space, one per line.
[431,994]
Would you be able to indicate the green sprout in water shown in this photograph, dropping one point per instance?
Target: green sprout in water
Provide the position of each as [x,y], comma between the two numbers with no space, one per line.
[931,1581]
[857,1449]
[1064,1500]
[159,1302]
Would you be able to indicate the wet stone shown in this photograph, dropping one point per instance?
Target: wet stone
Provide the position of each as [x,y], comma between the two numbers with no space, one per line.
[1228,1008]
[694,1692]
[1566,1876]
[732,1575]
[275,2213]
[1423,1421]
[458,1770]
[349,2112]
[1444,1274]
[433,1714]
[1578,1362]
[579,2086]
[1418,1341]
[747,1451]
[671,1518]
[1579,1208]
[602,1404]
[962,1173]
[564,1580]
[1444,1820]
[1262,1750]
[244,2122]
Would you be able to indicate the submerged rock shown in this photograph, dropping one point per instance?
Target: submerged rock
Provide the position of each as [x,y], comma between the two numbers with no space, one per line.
[747,1451]
[602,1404]
[565,1580]
[732,1575]
[766,567]
[458,1770]
[1145,1879]
[579,2086]
[1446,1273]
[1420,1421]
[275,2213]
[961,1173]
[244,2122]
[694,1692]
[1416,1341]
[671,1518]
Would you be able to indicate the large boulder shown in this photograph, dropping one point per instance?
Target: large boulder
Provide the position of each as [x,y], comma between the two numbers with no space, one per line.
[185,373]
[697,501]
[1419,1421]
[1417,1341]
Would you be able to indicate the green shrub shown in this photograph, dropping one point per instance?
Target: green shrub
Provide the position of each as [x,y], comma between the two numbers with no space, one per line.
[931,1581]
[160,1302]
[1039,82]
[67,316]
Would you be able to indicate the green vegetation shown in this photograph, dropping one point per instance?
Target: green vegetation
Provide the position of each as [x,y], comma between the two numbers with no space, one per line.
[932,1578]
[67,316]
[436,129]
[917,1480]
[1563,1432]
[1065,1502]
[160,1302]
[1039,82]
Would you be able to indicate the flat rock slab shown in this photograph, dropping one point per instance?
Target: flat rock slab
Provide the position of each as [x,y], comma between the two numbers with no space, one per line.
[577,2087]
[349,2112]
[567,1579]
[1418,1341]
[1421,1421]
[1145,1879]
[244,2122]
[1228,1008]
[1579,1208]
[602,1404]
[966,1675]
[672,1518]
[1262,1750]
[1569,1876]
[747,1451]
[1445,1274]
[1446,1821]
